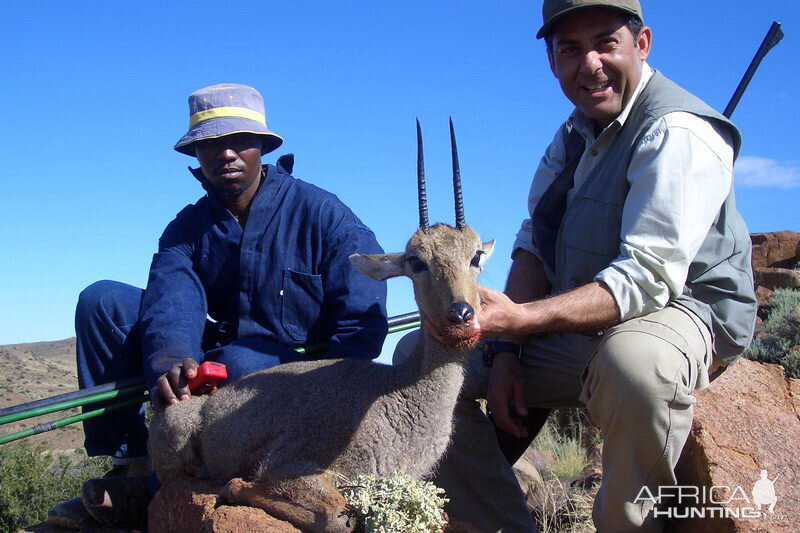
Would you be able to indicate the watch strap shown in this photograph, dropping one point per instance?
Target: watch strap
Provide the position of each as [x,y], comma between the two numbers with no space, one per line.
[494,347]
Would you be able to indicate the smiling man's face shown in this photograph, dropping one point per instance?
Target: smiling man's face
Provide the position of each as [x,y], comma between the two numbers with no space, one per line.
[598,62]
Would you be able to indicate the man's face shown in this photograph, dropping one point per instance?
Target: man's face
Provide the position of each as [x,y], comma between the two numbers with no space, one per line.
[231,164]
[598,62]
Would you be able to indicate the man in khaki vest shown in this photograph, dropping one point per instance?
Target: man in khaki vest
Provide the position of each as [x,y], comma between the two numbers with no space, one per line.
[630,285]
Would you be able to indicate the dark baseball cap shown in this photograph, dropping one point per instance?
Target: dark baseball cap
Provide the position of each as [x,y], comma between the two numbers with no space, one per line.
[554,10]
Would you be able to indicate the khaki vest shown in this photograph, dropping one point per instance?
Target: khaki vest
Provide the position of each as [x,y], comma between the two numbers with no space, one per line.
[719,287]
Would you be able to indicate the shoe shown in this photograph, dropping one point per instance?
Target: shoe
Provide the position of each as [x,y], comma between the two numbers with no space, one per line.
[120,502]
[71,514]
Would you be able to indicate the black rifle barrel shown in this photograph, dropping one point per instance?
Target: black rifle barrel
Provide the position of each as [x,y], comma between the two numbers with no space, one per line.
[773,37]
[402,320]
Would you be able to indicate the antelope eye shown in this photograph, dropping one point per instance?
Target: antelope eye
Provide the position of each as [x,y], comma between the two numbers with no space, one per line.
[416,265]
[476,261]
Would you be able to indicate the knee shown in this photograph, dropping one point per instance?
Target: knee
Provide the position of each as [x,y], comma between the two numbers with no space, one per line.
[637,368]
[105,298]
[92,296]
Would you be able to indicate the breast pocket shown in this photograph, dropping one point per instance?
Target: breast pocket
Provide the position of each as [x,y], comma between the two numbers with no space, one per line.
[301,302]
[594,226]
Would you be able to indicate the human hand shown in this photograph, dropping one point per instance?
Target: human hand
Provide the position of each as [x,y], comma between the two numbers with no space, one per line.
[505,395]
[172,386]
[498,314]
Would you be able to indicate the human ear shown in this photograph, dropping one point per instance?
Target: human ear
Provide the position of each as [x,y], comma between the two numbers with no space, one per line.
[644,41]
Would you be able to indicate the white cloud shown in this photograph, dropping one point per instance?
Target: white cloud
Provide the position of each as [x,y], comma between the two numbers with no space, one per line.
[763,172]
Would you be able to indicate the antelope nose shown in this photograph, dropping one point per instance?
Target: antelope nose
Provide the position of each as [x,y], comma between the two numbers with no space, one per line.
[460,312]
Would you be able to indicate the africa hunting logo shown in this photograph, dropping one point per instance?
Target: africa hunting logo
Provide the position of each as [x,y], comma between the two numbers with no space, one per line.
[719,501]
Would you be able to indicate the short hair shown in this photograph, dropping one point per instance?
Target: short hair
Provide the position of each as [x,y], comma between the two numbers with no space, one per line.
[633,23]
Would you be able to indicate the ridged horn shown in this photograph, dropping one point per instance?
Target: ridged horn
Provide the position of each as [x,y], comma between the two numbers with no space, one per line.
[459,199]
[421,194]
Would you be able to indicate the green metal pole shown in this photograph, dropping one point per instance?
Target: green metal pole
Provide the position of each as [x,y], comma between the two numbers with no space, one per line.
[61,406]
[49,426]
[403,327]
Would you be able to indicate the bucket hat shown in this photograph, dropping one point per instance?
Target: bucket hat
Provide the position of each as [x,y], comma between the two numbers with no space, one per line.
[226,109]
[554,10]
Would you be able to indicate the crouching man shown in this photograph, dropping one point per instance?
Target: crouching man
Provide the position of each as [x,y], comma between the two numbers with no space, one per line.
[631,283]
[263,254]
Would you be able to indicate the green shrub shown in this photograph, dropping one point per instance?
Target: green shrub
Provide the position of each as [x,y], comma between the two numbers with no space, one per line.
[32,481]
[779,341]
[398,504]
[563,442]
[565,456]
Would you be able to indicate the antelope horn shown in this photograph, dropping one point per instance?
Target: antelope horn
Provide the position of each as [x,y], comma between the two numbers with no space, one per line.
[459,199]
[421,194]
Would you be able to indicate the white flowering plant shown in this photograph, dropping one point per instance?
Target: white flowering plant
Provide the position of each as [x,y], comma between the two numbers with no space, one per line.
[397,504]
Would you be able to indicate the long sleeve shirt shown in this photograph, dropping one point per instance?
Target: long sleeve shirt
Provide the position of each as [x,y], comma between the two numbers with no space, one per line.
[679,177]
[284,278]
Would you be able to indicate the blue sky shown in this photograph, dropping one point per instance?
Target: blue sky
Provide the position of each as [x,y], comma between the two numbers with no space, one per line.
[95,97]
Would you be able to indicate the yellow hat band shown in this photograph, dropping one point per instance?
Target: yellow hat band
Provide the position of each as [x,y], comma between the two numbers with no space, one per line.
[220,112]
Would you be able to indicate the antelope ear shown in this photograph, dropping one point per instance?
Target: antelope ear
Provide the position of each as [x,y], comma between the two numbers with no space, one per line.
[379,266]
[488,248]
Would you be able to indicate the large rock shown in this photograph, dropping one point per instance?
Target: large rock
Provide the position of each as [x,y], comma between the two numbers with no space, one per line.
[747,421]
[777,278]
[779,249]
[526,469]
[190,506]
[240,519]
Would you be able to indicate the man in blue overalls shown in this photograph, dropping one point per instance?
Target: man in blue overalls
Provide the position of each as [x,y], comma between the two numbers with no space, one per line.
[264,255]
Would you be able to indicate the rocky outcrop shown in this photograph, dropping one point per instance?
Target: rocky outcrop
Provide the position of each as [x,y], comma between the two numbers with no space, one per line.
[775,263]
[746,422]
[777,278]
[775,250]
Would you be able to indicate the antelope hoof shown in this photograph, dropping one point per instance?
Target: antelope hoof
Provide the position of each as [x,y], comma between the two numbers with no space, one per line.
[233,490]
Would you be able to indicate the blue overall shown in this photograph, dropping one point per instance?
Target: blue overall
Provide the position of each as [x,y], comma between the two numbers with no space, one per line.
[282,281]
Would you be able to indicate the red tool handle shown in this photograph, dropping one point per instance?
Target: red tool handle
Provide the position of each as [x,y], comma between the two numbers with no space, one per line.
[208,373]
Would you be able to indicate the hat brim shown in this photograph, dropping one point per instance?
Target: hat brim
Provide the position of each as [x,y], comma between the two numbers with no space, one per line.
[223,126]
[546,27]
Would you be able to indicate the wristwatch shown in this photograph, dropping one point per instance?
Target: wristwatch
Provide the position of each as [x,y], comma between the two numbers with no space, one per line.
[494,347]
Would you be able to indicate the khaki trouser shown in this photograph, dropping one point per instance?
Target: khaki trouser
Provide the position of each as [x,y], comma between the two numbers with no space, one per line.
[635,380]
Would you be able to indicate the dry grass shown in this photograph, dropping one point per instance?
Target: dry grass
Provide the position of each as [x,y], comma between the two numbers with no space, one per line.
[562,444]
[39,370]
[564,509]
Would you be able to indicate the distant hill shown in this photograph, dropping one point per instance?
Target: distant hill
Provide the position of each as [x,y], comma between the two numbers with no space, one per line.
[37,370]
